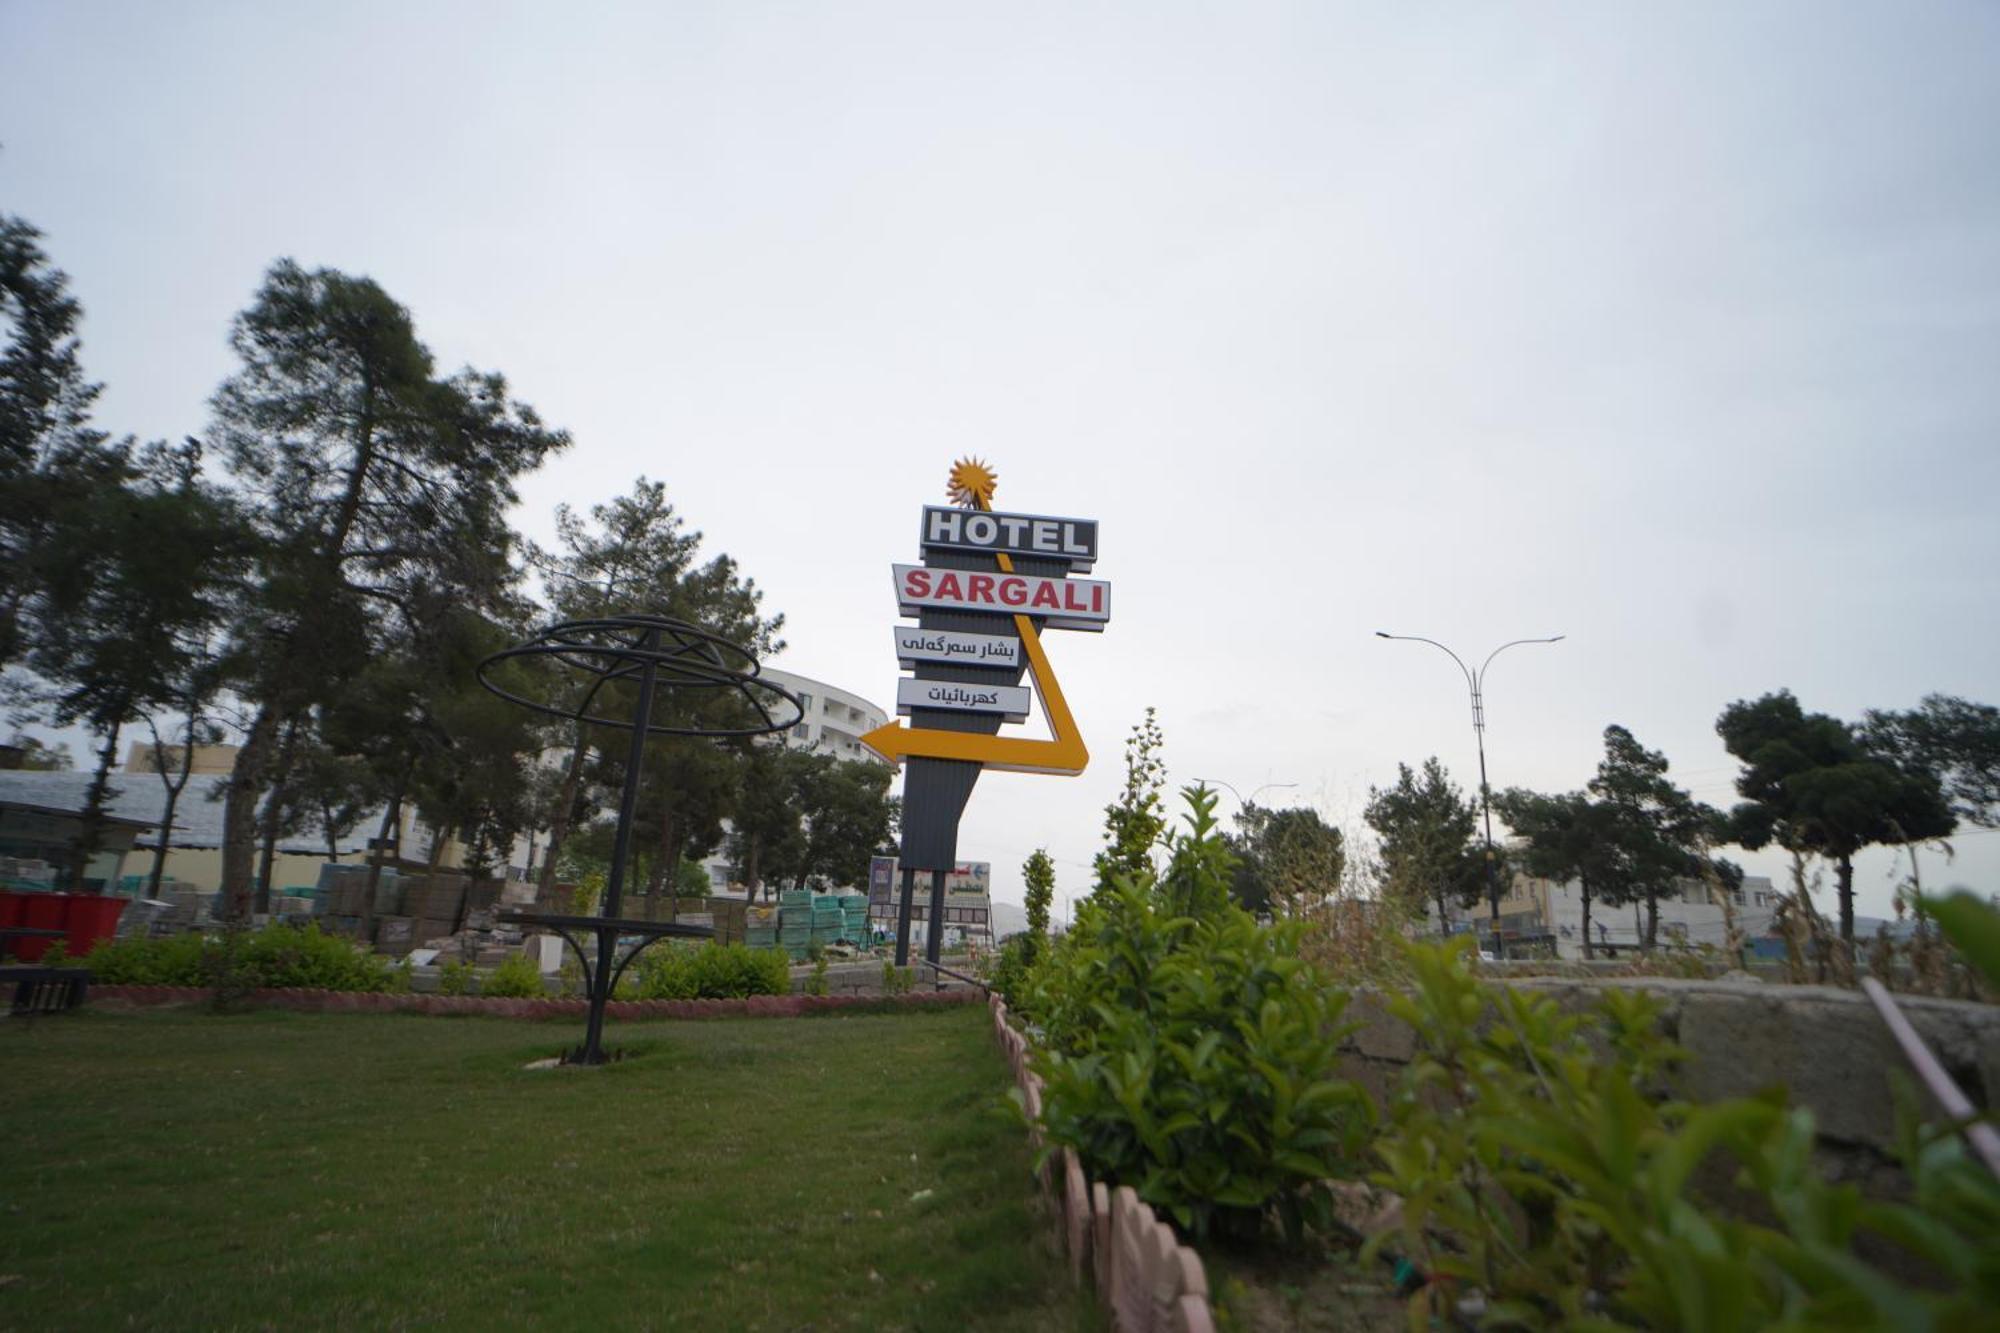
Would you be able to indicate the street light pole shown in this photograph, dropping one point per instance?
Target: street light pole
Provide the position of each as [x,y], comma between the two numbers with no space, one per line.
[1475,681]
[1218,782]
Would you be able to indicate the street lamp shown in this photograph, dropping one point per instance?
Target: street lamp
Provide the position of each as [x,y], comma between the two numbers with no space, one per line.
[1476,682]
[1218,782]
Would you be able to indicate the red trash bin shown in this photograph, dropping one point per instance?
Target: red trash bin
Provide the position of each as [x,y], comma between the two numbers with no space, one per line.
[40,911]
[89,918]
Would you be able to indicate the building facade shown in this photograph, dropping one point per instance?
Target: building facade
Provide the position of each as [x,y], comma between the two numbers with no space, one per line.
[1544,916]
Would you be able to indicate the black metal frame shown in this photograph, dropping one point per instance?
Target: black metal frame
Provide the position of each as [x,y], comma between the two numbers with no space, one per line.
[657,652]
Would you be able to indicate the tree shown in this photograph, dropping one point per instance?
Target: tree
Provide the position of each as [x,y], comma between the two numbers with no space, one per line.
[1954,738]
[1811,786]
[135,588]
[1289,861]
[635,554]
[1660,829]
[38,756]
[1571,837]
[1136,820]
[380,487]
[1427,827]
[848,816]
[768,840]
[1038,877]
[52,461]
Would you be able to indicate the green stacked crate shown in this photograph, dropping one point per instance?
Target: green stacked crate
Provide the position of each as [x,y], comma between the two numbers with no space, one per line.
[854,916]
[795,922]
[826,919]
[760,928]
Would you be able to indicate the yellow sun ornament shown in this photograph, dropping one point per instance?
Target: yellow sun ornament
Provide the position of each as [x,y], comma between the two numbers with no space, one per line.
[972,484]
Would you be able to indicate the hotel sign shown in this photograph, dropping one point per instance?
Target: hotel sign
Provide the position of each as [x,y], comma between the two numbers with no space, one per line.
[990,533]
[937,645]
[1064,603]
[1009,701]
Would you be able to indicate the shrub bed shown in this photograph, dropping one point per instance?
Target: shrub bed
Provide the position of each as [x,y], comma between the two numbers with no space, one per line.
[276,956]
[708,972]
[1532,1169]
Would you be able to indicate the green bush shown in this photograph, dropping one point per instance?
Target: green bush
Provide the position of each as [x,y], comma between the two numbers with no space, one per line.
[456,977]
[1196,1059]
[712,972]
[816,983]
[275,956]
[1012,966]
[1540,1162]
[517,977]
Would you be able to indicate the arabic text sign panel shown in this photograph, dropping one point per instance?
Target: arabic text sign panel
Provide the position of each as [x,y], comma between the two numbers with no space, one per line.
[1071,539]
[1009,701]
[935,645]
[1066,603]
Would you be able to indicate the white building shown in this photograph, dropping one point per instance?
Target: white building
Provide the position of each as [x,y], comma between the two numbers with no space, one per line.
[835,719]
[1540,912]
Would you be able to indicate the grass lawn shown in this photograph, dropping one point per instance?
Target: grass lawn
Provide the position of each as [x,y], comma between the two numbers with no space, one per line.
[178,1169]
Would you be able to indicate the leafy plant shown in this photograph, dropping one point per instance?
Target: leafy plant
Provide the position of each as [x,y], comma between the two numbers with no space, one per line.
[456,978]
[516,977]
[816,983]
[712,972]
[1196,1059]
[1541,1161]
[275,956]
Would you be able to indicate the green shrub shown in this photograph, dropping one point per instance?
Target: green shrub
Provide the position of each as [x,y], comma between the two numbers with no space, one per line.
[816,983]
[1539,1162]
[1012,966]
[897,980]
[455,978]
[517,977]
[1197,1062]
[275,956]
[712,972]
[300,956]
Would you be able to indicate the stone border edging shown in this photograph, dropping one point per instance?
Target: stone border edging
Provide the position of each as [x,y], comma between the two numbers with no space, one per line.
[1147,1281]
[384,1002]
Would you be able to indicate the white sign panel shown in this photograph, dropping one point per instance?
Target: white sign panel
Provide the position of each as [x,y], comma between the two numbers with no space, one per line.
[1064,603]
[936,645]
[1071,539]
[1009,701]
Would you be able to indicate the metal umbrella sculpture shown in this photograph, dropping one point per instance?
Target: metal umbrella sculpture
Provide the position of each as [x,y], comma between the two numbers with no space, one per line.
[655,654]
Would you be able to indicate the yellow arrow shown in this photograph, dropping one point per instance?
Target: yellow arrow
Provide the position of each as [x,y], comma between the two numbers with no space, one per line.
[1063,753]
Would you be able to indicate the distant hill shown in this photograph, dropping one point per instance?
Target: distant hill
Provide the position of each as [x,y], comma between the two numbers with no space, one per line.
[1008,919]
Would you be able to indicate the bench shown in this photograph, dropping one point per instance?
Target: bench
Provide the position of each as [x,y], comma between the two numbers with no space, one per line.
[38,989]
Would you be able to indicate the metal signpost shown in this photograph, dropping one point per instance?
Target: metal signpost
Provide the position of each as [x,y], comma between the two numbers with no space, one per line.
[988,585]
[650,654]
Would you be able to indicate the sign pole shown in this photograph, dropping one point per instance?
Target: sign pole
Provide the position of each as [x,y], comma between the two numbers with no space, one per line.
[934,936]
[903,917]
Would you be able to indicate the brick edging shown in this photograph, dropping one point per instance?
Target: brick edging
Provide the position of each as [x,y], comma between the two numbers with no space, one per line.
[384,1002]
[1146,1280]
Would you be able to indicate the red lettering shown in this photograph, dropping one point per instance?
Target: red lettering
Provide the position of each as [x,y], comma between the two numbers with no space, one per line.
[979,588]
[917,583]
[1069,598]
[1045,595]
[1014,592]
[948,589]
[1097,598]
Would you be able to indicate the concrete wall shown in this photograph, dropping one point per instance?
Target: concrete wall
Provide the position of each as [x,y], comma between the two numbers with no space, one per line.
[1825,1044]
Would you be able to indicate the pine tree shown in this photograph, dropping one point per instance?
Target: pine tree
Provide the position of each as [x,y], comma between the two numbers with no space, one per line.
[382,490]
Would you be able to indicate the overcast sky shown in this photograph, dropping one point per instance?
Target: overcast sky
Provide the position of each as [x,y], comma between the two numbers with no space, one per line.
[1674,329]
